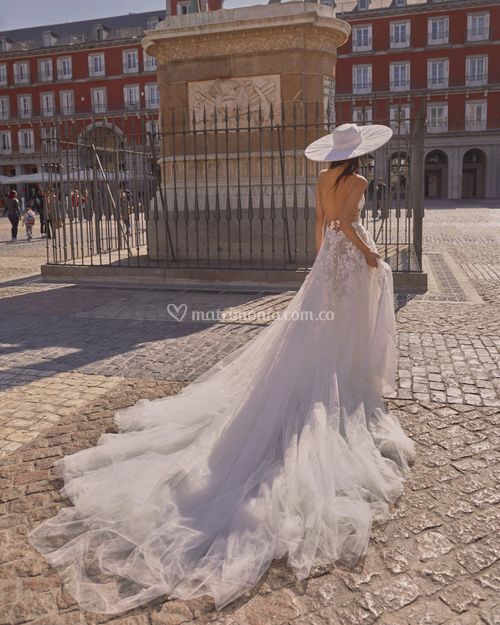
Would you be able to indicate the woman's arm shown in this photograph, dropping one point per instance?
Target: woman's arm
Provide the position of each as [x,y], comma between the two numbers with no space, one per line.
[320,220]
[347,212]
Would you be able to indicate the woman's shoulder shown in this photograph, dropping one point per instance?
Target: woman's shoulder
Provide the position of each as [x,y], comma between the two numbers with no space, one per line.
[360,179]
[358,182]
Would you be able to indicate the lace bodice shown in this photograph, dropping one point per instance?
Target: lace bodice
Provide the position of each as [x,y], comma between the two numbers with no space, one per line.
[339,260]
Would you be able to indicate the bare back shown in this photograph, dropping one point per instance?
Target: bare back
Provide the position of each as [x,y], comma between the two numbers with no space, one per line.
[334,198]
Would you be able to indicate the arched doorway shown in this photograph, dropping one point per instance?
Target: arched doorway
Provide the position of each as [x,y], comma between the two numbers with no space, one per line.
[473,173]
[101,145]
[436,174]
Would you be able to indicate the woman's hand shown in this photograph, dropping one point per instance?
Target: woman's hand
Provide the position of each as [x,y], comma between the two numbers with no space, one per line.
[371,258]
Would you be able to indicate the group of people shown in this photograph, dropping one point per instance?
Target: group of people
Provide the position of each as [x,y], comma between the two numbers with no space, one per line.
[16,215]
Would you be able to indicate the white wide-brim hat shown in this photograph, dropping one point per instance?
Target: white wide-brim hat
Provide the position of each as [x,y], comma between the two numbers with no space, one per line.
[348,141]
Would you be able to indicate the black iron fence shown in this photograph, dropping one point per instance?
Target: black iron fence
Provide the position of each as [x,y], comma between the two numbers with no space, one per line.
[229,189]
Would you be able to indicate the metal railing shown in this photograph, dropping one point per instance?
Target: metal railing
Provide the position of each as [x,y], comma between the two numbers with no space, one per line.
[230,190]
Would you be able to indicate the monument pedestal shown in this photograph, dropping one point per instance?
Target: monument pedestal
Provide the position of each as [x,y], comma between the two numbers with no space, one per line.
[242,91]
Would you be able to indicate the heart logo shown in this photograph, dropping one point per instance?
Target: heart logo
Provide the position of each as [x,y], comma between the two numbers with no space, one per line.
[177,312]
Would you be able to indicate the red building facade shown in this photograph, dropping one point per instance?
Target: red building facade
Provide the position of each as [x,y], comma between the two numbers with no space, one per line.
[444,51]
[81,75]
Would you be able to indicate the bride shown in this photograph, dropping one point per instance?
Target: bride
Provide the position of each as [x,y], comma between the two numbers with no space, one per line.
[283,448]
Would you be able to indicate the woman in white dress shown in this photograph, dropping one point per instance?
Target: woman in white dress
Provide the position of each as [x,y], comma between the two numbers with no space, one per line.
[284,448]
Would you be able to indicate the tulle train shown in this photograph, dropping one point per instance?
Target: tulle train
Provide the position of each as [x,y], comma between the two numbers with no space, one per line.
[284,448]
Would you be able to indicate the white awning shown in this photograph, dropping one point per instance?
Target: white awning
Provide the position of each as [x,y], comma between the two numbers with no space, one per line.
[82,176]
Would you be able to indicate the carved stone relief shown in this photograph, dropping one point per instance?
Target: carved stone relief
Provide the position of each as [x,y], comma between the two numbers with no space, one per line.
[256,94]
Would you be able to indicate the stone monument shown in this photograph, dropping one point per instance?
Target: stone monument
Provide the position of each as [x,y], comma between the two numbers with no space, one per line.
[232,69]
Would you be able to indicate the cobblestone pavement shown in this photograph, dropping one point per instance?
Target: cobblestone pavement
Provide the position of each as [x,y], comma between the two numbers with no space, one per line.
[71,356]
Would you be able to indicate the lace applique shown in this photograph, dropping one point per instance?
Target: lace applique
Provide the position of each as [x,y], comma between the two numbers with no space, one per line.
[339,261]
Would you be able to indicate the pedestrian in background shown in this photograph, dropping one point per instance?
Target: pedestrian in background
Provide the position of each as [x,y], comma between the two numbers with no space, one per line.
[13,212]
[381,196]
[38,205]
[48,202]
[29,219]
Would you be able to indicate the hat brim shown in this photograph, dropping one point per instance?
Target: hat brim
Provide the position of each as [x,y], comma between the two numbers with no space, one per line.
[373,137]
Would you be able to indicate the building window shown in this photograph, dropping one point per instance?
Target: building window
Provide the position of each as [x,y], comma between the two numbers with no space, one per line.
[153,22]
[3,74]
[399,3]
[183,8]
[437,118]
[101,32]
[363,5]
[98,100]
[24,106]
[48,135]
[437,74]
[67,102]
[361,78]
[64,68]
[49,39]
[362,114]
[45,70]
[150,62]
[21,73]
[400,119]
[362,38]
[478,26]
[5,142]
[400,34]
[47,104]
[399,76]
[475,115]
[476,71]
[131,97]
[437,30]
[96,65]
[5,44]
[130,61]
[26,141]
[153,132]
[4,108]
[152,96]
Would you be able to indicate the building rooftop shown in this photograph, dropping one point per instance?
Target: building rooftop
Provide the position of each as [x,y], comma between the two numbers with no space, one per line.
[73,33]
[346,6]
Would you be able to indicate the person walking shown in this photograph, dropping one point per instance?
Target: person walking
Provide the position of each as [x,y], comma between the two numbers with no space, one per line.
[381,198]
[13,212]
[29,219]
[48,202]
[38,205]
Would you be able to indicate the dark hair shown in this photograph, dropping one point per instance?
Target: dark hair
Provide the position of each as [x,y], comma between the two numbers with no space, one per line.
[352,166]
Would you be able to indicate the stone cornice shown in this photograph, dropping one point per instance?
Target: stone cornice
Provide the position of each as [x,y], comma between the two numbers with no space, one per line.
[229,43]
[247,31]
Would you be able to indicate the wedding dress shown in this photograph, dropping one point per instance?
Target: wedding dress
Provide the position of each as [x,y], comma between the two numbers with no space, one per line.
[283,448]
